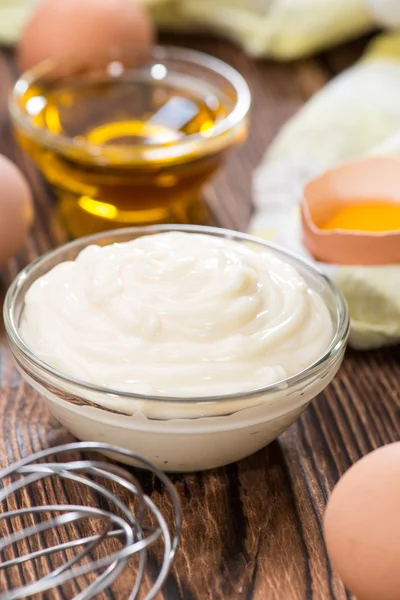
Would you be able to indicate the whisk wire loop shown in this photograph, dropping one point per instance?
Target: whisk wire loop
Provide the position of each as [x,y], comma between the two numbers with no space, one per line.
[126,521]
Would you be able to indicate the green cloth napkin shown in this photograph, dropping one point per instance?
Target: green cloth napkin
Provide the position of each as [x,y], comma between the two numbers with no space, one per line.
[372,294]
[356,114]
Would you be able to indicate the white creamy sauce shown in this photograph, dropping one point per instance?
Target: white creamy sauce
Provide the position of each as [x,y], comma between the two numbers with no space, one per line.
[176,314]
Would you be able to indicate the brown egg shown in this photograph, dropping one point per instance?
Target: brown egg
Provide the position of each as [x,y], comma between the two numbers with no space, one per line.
[16,209]
[362,526]
[373,181]
[83,27]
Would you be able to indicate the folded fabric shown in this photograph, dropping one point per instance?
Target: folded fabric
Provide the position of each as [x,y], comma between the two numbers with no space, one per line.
[282,29]
[13,15]
[386,12]
[357,113]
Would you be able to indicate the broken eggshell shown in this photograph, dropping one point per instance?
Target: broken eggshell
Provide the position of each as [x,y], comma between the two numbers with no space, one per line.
[367,180]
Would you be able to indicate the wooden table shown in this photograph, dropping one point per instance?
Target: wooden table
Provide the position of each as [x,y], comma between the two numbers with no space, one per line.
[252,530]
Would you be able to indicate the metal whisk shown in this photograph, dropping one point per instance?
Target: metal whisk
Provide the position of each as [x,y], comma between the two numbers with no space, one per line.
[132,529]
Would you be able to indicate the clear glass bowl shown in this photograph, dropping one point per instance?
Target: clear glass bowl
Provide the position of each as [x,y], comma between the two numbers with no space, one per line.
[178,434]
[130,137]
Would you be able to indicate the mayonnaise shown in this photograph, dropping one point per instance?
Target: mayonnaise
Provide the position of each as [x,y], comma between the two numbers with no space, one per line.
[176,314]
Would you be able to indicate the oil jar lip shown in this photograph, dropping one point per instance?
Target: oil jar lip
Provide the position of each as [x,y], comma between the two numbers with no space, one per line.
[332,353]
[219,137]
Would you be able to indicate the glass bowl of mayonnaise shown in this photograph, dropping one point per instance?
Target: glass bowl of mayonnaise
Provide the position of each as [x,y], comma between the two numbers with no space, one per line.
[192,346]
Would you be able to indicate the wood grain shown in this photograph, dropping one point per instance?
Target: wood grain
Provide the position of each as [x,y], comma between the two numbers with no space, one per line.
[252,530]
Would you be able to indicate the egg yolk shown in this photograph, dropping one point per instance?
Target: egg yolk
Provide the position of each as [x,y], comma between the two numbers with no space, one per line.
[366,216]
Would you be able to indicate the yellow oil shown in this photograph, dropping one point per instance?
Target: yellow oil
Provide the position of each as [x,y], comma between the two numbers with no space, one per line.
[111,186]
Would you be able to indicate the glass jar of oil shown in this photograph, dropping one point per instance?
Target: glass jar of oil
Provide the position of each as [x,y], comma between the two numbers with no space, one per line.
[130,138]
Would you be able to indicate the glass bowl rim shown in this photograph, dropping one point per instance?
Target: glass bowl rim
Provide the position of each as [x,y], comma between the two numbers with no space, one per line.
[332,352]
[157,52]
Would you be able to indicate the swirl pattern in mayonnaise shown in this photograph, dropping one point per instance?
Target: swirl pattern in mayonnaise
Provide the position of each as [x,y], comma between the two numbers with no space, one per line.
[176,314]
